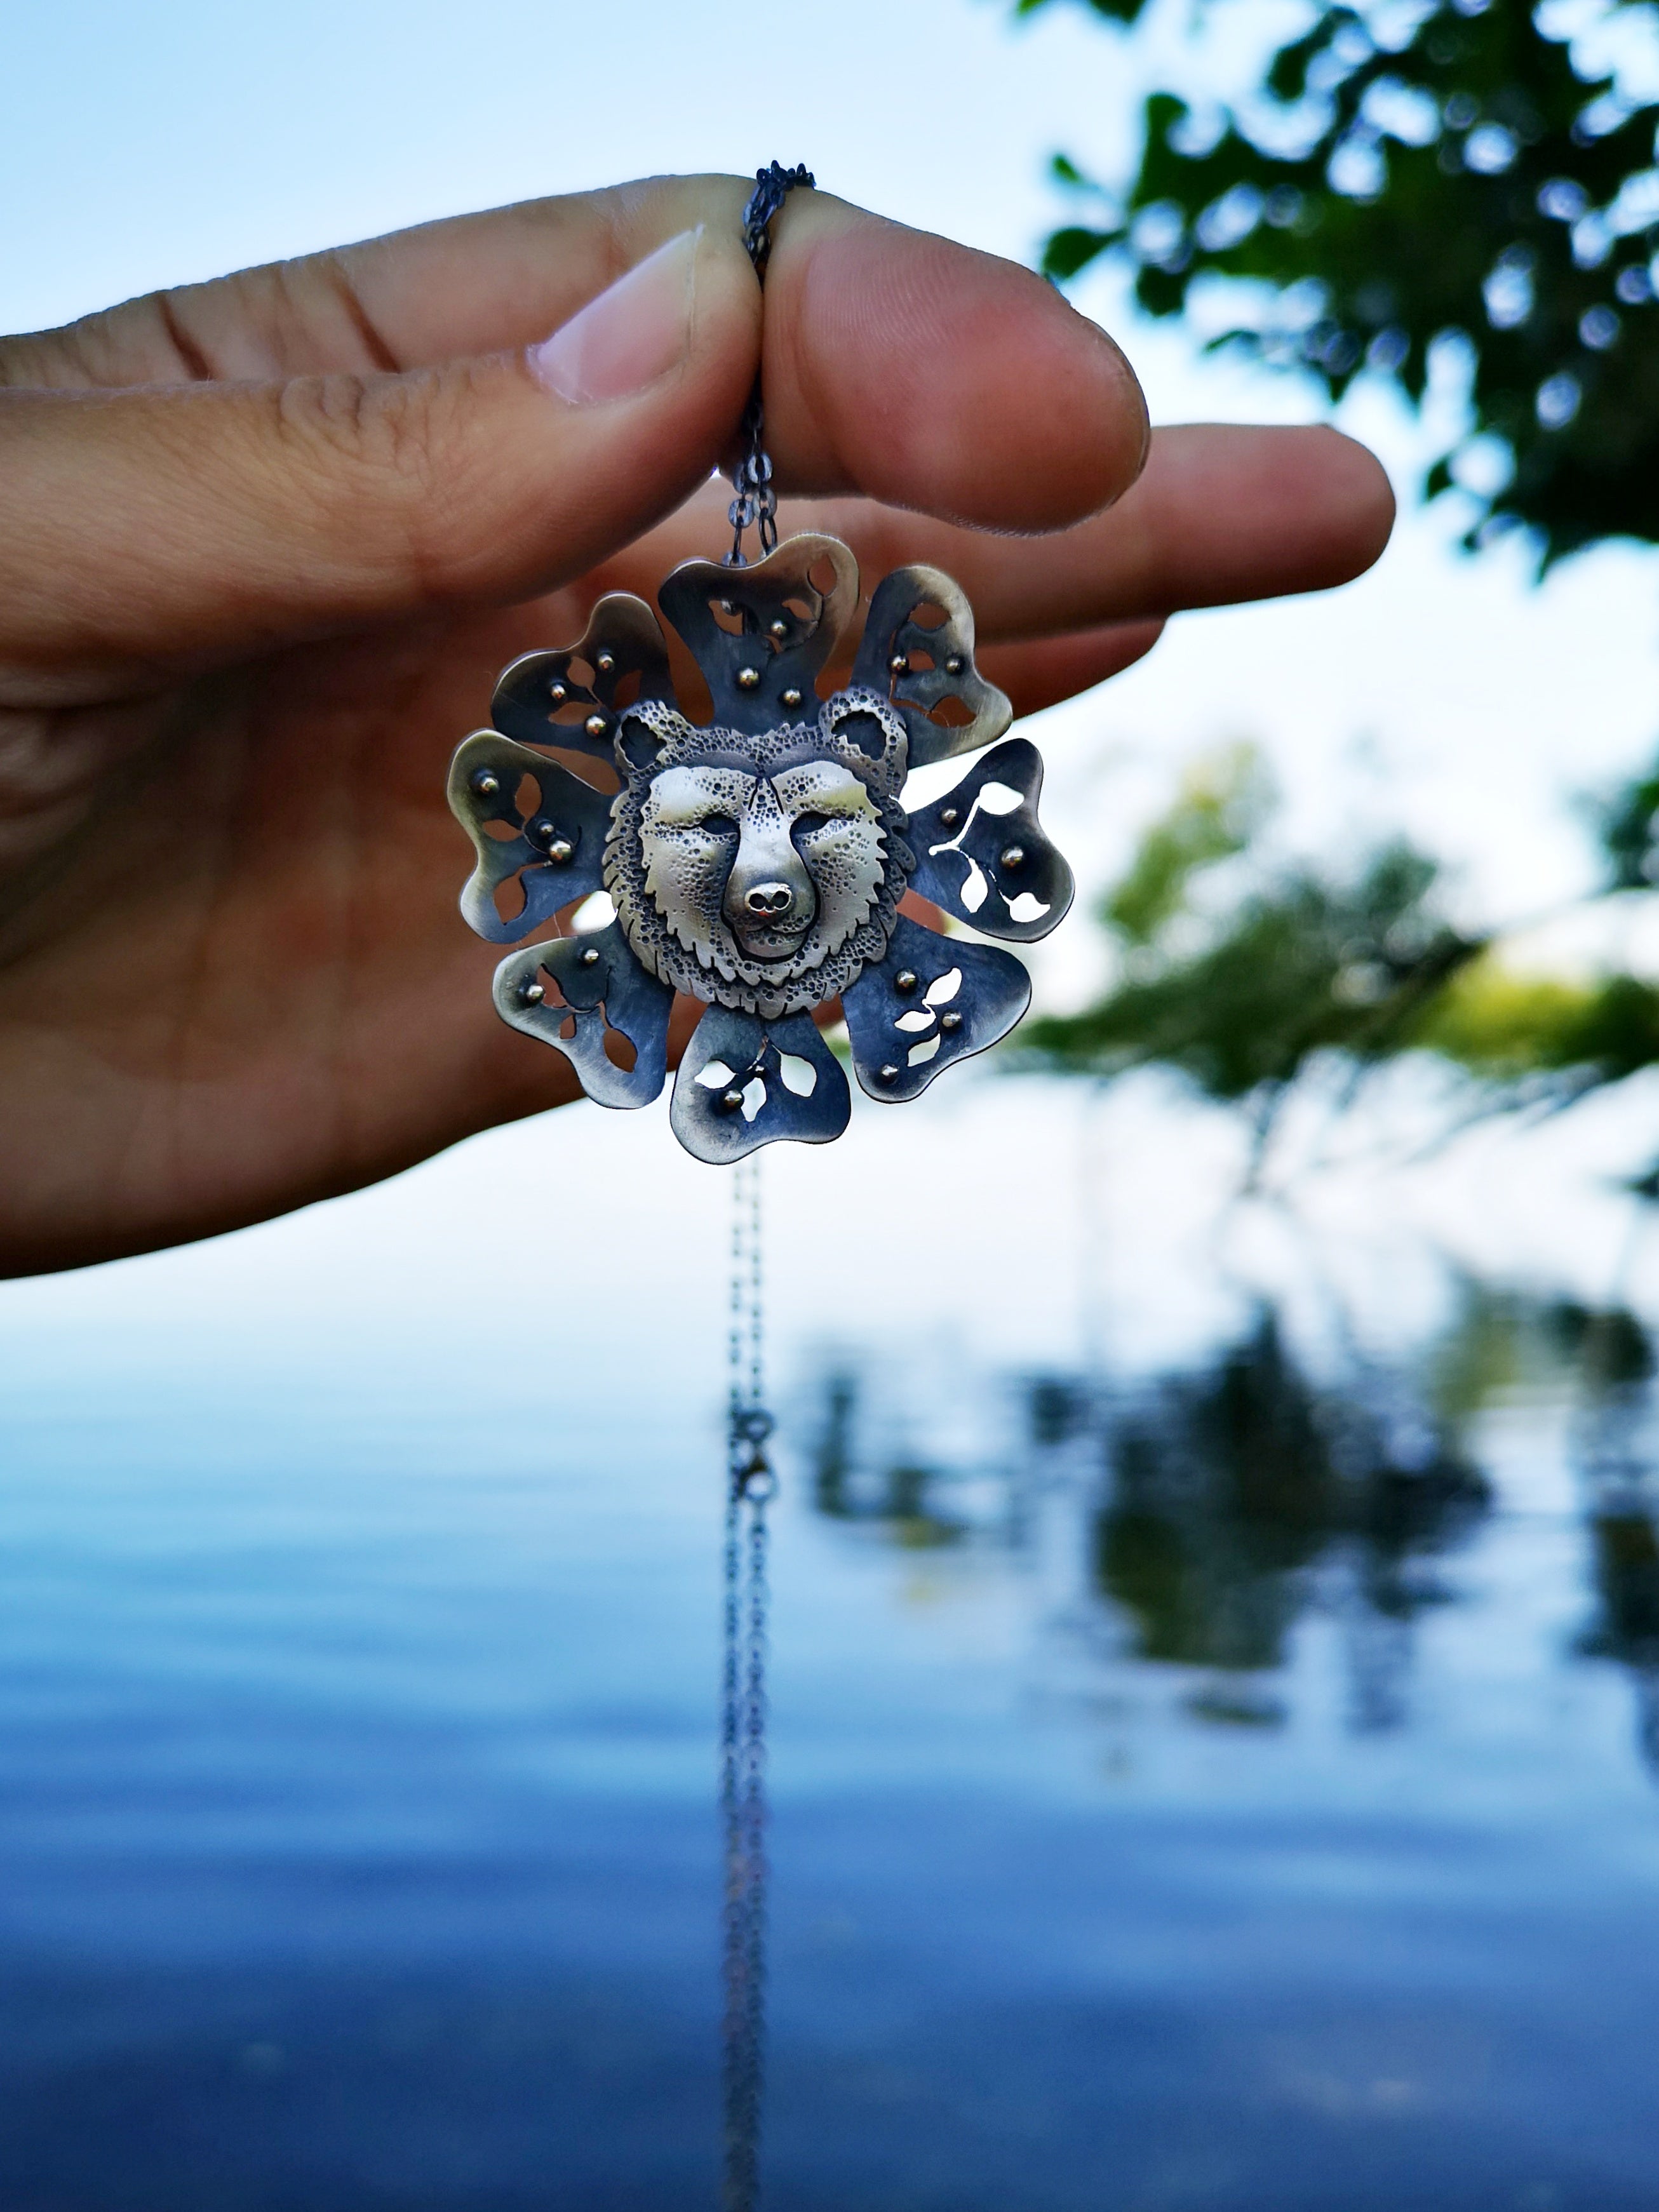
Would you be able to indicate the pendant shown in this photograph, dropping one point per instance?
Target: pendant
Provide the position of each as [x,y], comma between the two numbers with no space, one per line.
[757,863]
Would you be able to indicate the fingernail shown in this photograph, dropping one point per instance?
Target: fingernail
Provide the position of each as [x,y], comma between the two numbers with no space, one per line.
[629,336]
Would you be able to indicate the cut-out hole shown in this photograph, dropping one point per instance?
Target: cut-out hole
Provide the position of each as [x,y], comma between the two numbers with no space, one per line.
[510,897]
[502,832]
[620,1051]
[568,1028]
[727,617]
[951,711]
[596,911]
[913,1021]
[628,689]
[920,663]
[821,576]
[803,610]
[528,796]
[925,1050]
[754,1098]
[942,991]
[580,672]
[1000,798]
[1027,908]
[927,615]
[716,1075]
[798,1075]
[974,890]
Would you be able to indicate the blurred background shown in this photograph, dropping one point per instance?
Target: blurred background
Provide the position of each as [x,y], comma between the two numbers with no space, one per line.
[1216,1653]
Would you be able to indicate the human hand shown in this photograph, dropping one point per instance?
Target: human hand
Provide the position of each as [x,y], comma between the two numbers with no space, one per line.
[264,545]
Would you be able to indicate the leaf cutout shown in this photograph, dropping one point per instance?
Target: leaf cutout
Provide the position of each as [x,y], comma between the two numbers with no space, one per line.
[944,988]
[1026,907]
[915,1020]
[798,1075]
[1000,798]
[715,1074]
[754,1098]
[925,1050]
[974,890]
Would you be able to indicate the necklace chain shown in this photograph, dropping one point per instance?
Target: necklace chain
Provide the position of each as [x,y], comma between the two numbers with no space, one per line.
[750,1485]
[757,503]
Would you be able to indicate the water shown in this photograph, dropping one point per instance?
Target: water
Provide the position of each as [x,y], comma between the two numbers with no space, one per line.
[1216,1709]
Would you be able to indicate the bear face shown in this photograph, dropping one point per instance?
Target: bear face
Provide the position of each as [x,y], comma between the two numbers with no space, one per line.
[760,872]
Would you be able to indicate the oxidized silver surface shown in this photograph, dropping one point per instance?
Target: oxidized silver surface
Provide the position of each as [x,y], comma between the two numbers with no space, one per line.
[755,863]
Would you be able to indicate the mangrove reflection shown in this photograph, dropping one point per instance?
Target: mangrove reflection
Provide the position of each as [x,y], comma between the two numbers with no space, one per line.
[1210,1511]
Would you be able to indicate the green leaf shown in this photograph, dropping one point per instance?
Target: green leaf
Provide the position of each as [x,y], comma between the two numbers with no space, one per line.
[1072,249]
[1444,230]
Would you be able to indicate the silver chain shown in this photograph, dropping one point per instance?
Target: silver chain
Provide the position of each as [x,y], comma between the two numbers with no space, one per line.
[750,1486]
[756,506]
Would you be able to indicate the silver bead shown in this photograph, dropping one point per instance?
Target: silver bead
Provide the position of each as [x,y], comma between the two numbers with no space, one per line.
[905,979]
[1012,856]
[486,783]
[604,662]
[900,663]
[596,726]
[951,1021]
[950,816]
[791,697]
[557,694]
[888,1074]
[730,1101]
[532,994]
[748,678]
[560,850]
[780,629]
[955,665]
[589,956]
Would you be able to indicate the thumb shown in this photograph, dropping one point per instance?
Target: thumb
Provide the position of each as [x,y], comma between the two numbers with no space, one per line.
[164,529]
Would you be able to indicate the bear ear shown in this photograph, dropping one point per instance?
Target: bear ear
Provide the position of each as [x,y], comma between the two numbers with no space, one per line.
[868,735]
[639,745]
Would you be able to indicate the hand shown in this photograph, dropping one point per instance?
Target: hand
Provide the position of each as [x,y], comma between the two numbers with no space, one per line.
[265,543]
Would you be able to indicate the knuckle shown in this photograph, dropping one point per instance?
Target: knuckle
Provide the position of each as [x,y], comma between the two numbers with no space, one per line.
[371,449]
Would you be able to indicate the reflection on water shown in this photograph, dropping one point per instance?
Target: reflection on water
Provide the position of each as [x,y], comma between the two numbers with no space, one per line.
[1220,1504]
[1205,1790]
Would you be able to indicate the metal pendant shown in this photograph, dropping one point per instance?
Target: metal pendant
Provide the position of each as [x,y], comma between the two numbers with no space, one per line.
[757,863]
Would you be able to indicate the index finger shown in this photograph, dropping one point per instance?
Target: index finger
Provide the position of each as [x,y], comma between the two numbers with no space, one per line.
[895,365]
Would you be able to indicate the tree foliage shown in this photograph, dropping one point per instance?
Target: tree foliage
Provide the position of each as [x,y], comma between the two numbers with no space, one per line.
[1238,982]
[1399,177]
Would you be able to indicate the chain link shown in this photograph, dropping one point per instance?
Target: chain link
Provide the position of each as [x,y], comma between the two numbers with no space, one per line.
[755,507]
[750,1485]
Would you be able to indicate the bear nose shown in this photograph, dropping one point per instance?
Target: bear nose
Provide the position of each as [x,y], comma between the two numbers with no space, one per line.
[769,899]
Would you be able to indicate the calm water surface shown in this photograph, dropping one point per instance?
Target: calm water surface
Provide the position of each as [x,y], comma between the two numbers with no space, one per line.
[1225,1782]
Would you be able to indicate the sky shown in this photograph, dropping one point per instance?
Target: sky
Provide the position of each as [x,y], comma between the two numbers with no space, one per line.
[1446,696]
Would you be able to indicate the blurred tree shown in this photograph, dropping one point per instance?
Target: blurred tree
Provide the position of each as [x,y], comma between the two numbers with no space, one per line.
[1404,177]
[1237,969]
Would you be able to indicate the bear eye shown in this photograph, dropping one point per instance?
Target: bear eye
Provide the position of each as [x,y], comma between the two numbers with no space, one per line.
[718,825]
[809,823]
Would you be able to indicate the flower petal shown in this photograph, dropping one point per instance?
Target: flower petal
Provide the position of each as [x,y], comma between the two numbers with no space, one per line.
[590,986]
[771,1104]
[558,847]
[993,866]
[937,665]
[775,624]
[569,697]
[994,991]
